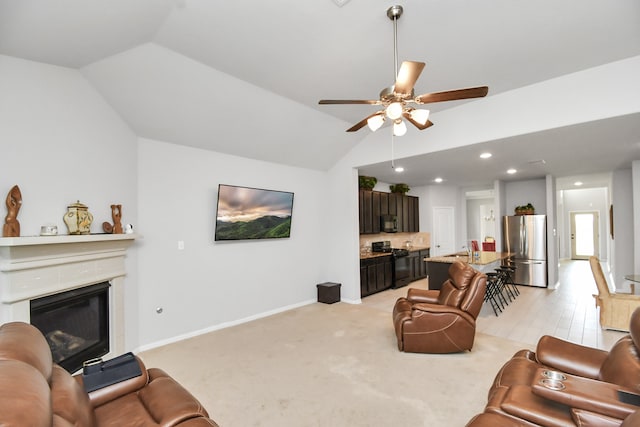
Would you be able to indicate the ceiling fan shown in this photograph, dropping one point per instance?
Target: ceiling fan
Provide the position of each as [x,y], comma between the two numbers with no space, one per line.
[396,99]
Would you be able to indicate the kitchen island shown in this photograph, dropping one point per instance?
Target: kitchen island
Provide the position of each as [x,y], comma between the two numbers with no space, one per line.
[438,266]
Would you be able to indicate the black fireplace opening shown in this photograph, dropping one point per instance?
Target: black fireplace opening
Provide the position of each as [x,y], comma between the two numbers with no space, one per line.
[75,323]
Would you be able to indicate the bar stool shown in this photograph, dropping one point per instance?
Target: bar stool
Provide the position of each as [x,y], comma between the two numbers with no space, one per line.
[491,294]
[510,271]
[505,289]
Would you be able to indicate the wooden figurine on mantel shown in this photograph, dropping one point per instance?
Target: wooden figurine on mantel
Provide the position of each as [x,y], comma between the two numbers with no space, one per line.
[11,226]
[116,214]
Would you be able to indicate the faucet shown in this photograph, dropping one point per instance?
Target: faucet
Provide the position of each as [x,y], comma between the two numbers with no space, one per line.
[469,254]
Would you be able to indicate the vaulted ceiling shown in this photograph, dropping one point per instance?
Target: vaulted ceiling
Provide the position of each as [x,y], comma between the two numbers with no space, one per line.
[213,74]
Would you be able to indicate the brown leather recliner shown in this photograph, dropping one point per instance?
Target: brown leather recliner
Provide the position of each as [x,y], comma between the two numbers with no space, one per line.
[512,394]
[34,391]
[441,321]
[496,420]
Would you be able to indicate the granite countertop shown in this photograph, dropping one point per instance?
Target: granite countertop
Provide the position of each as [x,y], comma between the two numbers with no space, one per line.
[370,255]
[414,248]
[485,258]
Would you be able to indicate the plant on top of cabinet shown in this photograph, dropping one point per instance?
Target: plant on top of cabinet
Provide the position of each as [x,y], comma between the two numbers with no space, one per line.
[367,182]
[527,209]
[399,188]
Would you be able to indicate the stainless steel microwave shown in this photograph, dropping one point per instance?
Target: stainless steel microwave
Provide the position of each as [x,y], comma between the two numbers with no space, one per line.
[389,223]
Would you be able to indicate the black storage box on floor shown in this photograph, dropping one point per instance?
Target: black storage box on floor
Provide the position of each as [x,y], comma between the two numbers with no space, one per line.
[328,292]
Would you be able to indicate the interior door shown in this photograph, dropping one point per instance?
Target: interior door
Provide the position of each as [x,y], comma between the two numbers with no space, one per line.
[585,239]
[443,232]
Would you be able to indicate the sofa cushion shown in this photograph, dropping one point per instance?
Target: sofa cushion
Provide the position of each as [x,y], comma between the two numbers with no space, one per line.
[24,342]
[622,366]
[69,400]
[584,418]
[569,357]
[162,402]
[24,396]
[521,402]
[450,295]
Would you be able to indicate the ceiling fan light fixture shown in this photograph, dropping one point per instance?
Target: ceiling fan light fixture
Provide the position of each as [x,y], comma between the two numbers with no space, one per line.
[394,110]
[420,116]
[375,122]
[399,128]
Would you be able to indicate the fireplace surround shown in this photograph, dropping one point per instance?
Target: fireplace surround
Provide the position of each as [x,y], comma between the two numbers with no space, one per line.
[35,267]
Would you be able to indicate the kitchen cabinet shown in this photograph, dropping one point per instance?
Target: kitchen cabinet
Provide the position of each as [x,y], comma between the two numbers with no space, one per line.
[375,274]
[418,265]
[373,204]
[424,253]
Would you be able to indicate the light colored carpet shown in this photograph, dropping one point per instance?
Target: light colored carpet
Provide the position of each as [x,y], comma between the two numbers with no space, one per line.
[330,365]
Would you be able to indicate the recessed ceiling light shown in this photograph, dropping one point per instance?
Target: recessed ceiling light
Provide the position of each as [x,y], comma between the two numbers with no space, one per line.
[438,180]
[511,171]
[485,155]
[577,183]
[399,169]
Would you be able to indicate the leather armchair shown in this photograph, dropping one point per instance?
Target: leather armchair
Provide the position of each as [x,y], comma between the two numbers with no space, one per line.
[441,321]
[34,391]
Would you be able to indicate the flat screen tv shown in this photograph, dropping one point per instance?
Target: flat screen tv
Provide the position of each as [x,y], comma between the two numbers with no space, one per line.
[246,213]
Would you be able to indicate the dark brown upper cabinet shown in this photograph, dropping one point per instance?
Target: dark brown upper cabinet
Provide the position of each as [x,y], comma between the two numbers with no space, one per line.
[373,204]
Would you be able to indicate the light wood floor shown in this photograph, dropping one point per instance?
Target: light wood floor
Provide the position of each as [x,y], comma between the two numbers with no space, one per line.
[568,312]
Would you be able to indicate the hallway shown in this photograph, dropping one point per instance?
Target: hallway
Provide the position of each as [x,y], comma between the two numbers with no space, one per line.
[568,312]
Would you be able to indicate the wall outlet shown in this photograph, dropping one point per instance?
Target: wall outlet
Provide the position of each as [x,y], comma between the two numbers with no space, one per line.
[180,245]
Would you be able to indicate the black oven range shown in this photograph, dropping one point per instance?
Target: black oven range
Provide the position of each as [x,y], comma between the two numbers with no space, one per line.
[401,271]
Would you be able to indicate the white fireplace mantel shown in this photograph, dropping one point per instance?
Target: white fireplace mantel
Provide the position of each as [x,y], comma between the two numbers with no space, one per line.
[33,267]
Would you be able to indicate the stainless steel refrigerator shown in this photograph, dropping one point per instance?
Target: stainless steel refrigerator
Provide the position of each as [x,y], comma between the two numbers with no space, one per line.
[525,236]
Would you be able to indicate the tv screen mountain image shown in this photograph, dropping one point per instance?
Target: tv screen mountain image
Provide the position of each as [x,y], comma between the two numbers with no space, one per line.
[245,213]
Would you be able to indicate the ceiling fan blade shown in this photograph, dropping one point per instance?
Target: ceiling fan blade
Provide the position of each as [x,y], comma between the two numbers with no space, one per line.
[349,101]
[362,123]
[407,77]
[407,116]
[452,95]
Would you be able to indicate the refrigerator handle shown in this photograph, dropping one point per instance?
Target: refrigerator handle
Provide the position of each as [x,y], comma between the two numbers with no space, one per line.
[522,236]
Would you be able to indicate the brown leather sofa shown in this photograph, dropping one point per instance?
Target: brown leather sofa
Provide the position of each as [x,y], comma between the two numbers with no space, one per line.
[441,321]
[587,394]
[34,391]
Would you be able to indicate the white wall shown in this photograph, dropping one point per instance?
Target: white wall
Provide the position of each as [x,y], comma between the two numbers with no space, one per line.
[553,263]
[211,284]
[635,196]
[60,142]
[622,245]
[432,196]
[518,193]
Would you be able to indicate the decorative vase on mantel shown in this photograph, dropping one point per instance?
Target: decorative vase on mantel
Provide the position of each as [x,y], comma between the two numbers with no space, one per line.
[78,218]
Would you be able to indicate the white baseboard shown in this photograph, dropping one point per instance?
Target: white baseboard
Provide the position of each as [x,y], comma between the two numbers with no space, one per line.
[220,326]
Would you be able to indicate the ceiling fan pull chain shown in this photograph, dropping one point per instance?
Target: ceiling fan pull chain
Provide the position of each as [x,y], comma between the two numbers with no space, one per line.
[393,140]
